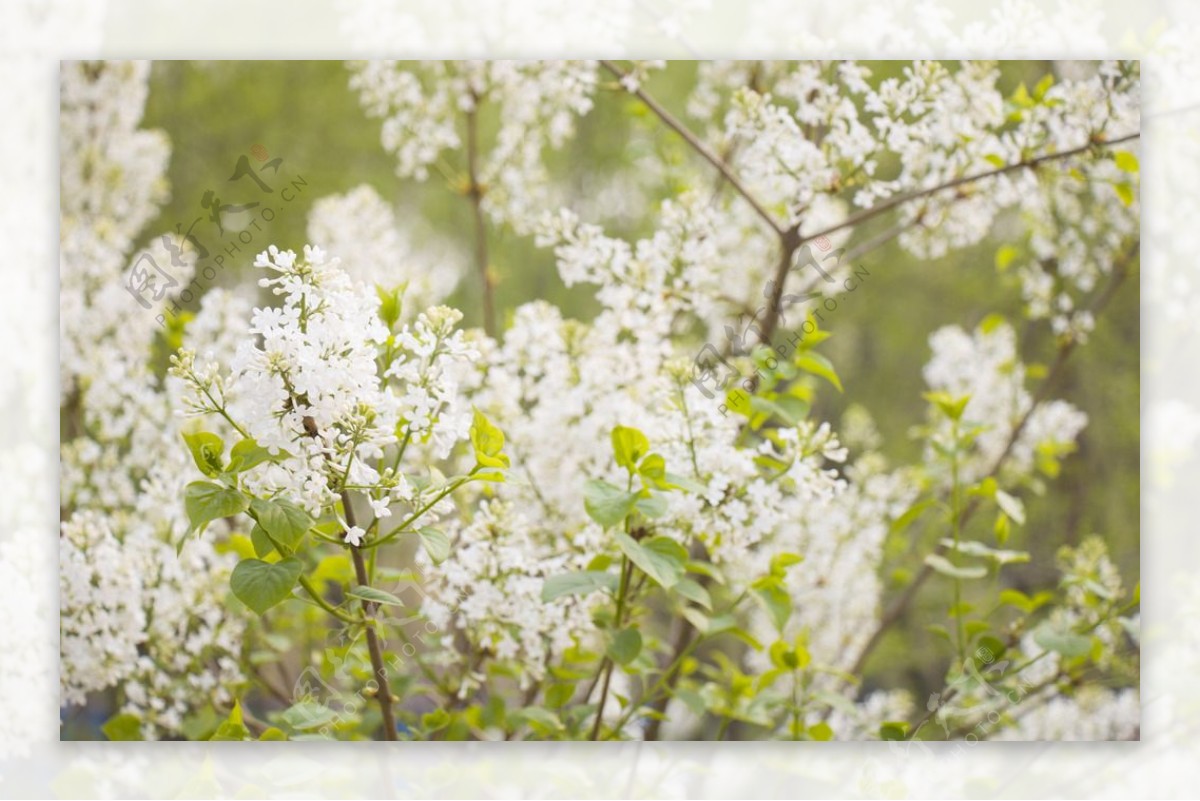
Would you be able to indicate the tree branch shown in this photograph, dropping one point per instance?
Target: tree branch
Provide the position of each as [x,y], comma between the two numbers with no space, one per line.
[917,194]
[384,695]
[475,193]
[702,149]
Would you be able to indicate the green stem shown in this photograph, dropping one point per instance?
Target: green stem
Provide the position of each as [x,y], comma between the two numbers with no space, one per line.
[321,602]
[411,518]
[956,525]
[607,664]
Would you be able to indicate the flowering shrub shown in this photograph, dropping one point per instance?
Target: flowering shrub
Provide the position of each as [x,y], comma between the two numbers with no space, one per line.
[331,511]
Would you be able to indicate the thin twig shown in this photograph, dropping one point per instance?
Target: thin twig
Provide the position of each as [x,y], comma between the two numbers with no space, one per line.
[475,192]
[781,271]
[702,149]
[384,694]
[917,194]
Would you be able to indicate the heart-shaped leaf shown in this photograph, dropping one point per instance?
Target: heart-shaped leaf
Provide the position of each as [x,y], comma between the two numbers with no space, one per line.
[206,502]
[260,585]
[283,521]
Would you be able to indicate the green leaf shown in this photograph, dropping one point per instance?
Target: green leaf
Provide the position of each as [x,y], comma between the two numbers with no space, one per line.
[694,592]
[780,562]
[629,446]
[896,730]
[697,619]
[1125,192]
[307,714]
[1002,529]
[820,732]
[124,727]
[606,504]
[1043,86]
[773,598]
[260,585]
[947,568]
[818,365]
[272,733]
[994,160]
[247,454]
[600,561]
[652,506]
[939,630]
[1126,161]
[1011,506]
[263,547]
[540,719]
[206,450]
[1005,256]
[201,724]
[583,582]
[239,545]
[988,650]
[1058,637]
[389,304]
[206,502]
[626,646]
[909,517]
[661,558]
[654,470]
[488,442]
[233,728]
[676,481]
[1000,557]
[283,521]
[435,720]
[435,543]
[374,595]
[1021,97]
[783,657]
[951,406]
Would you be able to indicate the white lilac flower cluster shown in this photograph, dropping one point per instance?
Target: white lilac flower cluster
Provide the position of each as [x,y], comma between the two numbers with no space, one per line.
[534,106]
[985,366]
[561,386]
[135,619]
[326,381]
[807,139]
[322,382]
[701,264]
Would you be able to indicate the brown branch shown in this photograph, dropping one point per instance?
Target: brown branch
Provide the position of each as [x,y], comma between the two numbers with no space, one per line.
[384,694]
[702,149]
[790,246]
[789,242]
[917,194]
[681,642]
[475,192]
[900,605]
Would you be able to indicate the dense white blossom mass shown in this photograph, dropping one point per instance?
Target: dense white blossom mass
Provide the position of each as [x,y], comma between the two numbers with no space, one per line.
[364,393]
